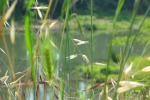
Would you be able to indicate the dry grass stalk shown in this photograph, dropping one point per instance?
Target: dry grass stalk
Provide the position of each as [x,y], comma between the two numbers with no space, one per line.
[53,23]
[2,50]
[10,10]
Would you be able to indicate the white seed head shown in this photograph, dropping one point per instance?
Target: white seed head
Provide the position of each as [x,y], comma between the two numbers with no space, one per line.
[80,42]
[52,24]
[122,89]
[76,40]
[39,13]
[130,84]
[85,59]
[72,56]
[109,98]
[40,7]
[127,69]
[101,64]
[2,50]
[127,85]
[12,32]
[146,69]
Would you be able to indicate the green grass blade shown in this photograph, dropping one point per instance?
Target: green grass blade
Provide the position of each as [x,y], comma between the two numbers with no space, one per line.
[28,40]
[136,6]
[2,5]
[30,2]
[91,38]
[138,32]
[66,68]
[119,7]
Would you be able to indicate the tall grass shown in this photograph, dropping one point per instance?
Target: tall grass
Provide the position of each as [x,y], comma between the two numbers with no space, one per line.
[128,47]
[120,5]
[56,73]
[29,45]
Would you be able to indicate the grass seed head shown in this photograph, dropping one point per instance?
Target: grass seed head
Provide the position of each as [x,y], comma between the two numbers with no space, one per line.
[85,58]
[146,69]
[127,85]
[12,32]
[122,89]
[72,56]
[130,84]
[128,69]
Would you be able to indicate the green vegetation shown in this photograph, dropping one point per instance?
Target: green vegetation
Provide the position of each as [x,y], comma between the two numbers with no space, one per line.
[75,50]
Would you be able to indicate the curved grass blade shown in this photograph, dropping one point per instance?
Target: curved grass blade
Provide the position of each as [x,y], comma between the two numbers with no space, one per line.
[119,7]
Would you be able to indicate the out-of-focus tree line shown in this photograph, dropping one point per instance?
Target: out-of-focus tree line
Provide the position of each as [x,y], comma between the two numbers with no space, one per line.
[81,6]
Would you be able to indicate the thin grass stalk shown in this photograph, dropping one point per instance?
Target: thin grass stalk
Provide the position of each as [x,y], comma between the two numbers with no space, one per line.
[12,37]
[9,58]
[44,89]
[62,86]
[10,61]
[67,45]
[128,38]
[138,32]
[48,10]
[119,7]
[143,52]
[66,7]
[2,21]
[40,33]
[135,10]
[64,27]
[91,38]
[54,8]
[136,6]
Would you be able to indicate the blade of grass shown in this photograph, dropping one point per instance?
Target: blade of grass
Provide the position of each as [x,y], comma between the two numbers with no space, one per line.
[28,40]
[136,6]
[91,38]
[119,7]
[79,24]
[65,11]
[138,32]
